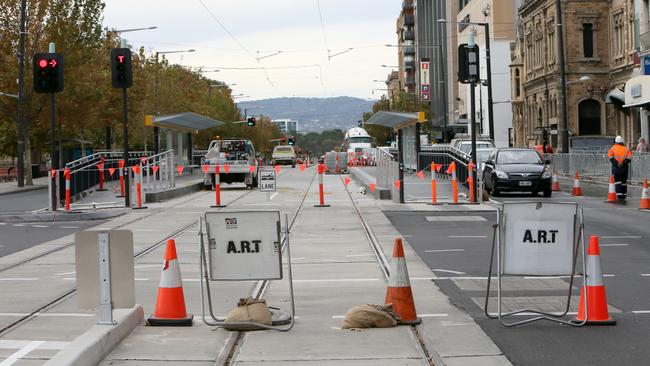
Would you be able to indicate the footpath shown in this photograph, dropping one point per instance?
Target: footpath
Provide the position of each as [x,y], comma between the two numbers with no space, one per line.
[334,268]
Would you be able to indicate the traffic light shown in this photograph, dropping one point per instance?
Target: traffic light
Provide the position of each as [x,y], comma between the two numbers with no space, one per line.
[283,140]
[291,140]
[250,121]
[121,70]
[468,64]
[48,72]
[360,123]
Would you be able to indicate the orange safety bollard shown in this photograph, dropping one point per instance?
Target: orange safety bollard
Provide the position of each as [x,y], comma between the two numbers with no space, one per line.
[434,193]
[217,188]
[121,166]
[398,292]
[644,204]
[137,175]
[100,168]
[577,190]
[66,173]
[321,193]
[470,183]
[454,183]
[555,183]
[611,193]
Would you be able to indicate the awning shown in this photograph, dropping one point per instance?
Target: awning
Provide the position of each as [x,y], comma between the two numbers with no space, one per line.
[615,96]
[396,120]
[637,91]
[186,122]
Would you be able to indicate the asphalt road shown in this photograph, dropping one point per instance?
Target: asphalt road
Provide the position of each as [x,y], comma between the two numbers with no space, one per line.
[24,201]
[459,253]
[16,237]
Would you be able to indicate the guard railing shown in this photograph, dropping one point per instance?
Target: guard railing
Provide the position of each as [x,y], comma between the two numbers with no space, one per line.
[597,165]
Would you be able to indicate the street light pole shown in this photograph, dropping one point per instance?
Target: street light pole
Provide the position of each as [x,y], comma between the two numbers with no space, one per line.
[565,109]
[21,102]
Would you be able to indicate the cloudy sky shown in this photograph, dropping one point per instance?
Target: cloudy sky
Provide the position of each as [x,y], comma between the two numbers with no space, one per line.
[257,28]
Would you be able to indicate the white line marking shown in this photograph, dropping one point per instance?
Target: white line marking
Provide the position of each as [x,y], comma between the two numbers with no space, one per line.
[467,236]
[641,312]
[421,278]
[261,204]
[18,344]
[83,315]
[448,271]
[614,245]
[3,223]
[360,255]
[149,266]
[645,274]
[341,280]
[533,314]
[443,250]
[273,196]
[445,324]
[146,230]
[69,227]
[545,277]
[19,279]
[622,237]
[438,315]
[21,353]
[463,278]
[454,218]
[18,225]
[74,279]
[40,226]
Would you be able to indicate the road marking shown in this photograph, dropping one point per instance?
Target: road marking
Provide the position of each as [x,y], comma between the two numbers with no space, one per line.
[448,271]
[614,245]
[40,226]
[622,237]
[261,204]
[83,315]
[19,279]
[527,313]
[641,312]
[545,277]
[65,273]
[69,227]
[645,274]
[21,353]
[434,315]
[360,255]
[74,279]
[146,230]
[340,280]
[443,250]
[454,218]
[462,278]
[446,324]
[273,196]
[467,236]
[3,223]
[18,225]
[18,344]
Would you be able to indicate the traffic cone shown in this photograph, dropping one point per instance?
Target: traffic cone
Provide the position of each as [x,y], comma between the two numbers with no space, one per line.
[611,195]
[597,312]
[555,183]
[645,198]
[577,191]
[399,292]
[170,303]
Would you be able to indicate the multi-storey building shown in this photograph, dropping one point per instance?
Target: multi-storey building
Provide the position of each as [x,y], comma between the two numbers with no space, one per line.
[286,125]
[600,57]
[499,14]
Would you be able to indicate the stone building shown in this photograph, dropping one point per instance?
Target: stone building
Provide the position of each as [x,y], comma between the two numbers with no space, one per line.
[600,57]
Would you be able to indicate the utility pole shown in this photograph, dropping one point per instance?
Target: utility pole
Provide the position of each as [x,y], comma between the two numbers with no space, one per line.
[488,65]
[21,101]
[560,44]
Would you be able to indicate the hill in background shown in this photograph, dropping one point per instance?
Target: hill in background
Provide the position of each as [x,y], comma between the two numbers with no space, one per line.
[312,114]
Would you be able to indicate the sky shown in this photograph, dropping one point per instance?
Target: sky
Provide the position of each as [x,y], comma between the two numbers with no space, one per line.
[229,36]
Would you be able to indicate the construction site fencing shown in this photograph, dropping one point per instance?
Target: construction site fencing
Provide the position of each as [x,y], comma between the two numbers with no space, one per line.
[445,155]
[598,166]
[387,169]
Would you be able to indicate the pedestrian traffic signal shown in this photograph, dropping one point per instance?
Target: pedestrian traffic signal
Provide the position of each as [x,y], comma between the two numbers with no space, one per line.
[250,121]
[291,140]
[122,76]
[468,64]
[48,72]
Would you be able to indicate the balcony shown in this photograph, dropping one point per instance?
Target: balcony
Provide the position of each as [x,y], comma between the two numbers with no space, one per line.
[409,65]
[409,81]
[409,50]
[407,4]
[409,20]
[408,35]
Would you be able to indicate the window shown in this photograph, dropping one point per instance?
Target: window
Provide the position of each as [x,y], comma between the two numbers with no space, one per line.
[588,40]
[517,83]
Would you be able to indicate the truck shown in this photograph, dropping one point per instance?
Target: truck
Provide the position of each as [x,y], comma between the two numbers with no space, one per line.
[241,158]
[284,155]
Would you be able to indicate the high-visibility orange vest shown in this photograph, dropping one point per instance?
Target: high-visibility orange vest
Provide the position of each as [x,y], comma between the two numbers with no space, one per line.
[619,152]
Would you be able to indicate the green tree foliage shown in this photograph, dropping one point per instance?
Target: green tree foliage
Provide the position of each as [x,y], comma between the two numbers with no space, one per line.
[320,143]
[88,103]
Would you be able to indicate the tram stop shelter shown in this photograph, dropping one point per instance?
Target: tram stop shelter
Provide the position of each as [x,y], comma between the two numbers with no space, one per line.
[407,126]
[174,131]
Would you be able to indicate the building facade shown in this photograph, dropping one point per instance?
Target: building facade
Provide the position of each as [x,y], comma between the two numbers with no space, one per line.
[286,125]
[499,14]
[600,57]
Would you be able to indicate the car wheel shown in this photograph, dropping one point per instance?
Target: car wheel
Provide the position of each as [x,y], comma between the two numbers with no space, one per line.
[547,193]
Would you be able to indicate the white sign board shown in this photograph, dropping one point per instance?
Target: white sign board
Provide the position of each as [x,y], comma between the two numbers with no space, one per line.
[244,245]
[267,181]
[424,78]
[537,239]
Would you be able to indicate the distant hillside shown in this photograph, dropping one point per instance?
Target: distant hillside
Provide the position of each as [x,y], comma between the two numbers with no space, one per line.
[312,114]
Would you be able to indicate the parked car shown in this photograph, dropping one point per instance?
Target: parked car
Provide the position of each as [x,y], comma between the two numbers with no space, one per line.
[517,170]
[464,144]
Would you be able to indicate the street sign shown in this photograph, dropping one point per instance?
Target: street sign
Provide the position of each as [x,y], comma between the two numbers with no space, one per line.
[267,181]
[646,65]
[424,78]
[244,245]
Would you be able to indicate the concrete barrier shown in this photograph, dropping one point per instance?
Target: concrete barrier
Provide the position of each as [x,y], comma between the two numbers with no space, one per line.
[364,179]
[173,192]
[90,348]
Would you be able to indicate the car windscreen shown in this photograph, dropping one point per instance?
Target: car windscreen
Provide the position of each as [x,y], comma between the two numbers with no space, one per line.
[466,147]
[283,149]
[518,157]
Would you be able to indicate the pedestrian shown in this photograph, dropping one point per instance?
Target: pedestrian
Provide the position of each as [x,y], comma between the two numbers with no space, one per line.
[620,156]
[642,147]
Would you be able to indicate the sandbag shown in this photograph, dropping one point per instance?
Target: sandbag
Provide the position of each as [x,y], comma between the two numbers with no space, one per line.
[250,310]
[370,316]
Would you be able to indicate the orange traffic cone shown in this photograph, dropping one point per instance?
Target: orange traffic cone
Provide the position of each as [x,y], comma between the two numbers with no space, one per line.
[611,195]
[399,292]
[577,191]
[555,183]
[597,312]
[645,198]
[170,303]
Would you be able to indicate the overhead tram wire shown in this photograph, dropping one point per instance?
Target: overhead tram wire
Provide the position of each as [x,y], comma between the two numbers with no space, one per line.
[241,45]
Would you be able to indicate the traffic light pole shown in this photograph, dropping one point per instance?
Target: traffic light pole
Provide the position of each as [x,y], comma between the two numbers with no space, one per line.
[53,156]
[21,101]
[127,190]
[472,94]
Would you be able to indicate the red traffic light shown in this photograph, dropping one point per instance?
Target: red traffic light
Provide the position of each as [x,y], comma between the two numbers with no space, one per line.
[120,58]
[42,63]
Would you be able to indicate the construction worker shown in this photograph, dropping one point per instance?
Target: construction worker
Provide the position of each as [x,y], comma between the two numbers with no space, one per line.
[620,156]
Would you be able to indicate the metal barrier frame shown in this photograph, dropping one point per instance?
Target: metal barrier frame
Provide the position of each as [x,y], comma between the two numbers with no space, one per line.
[203,272]
[554,317]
